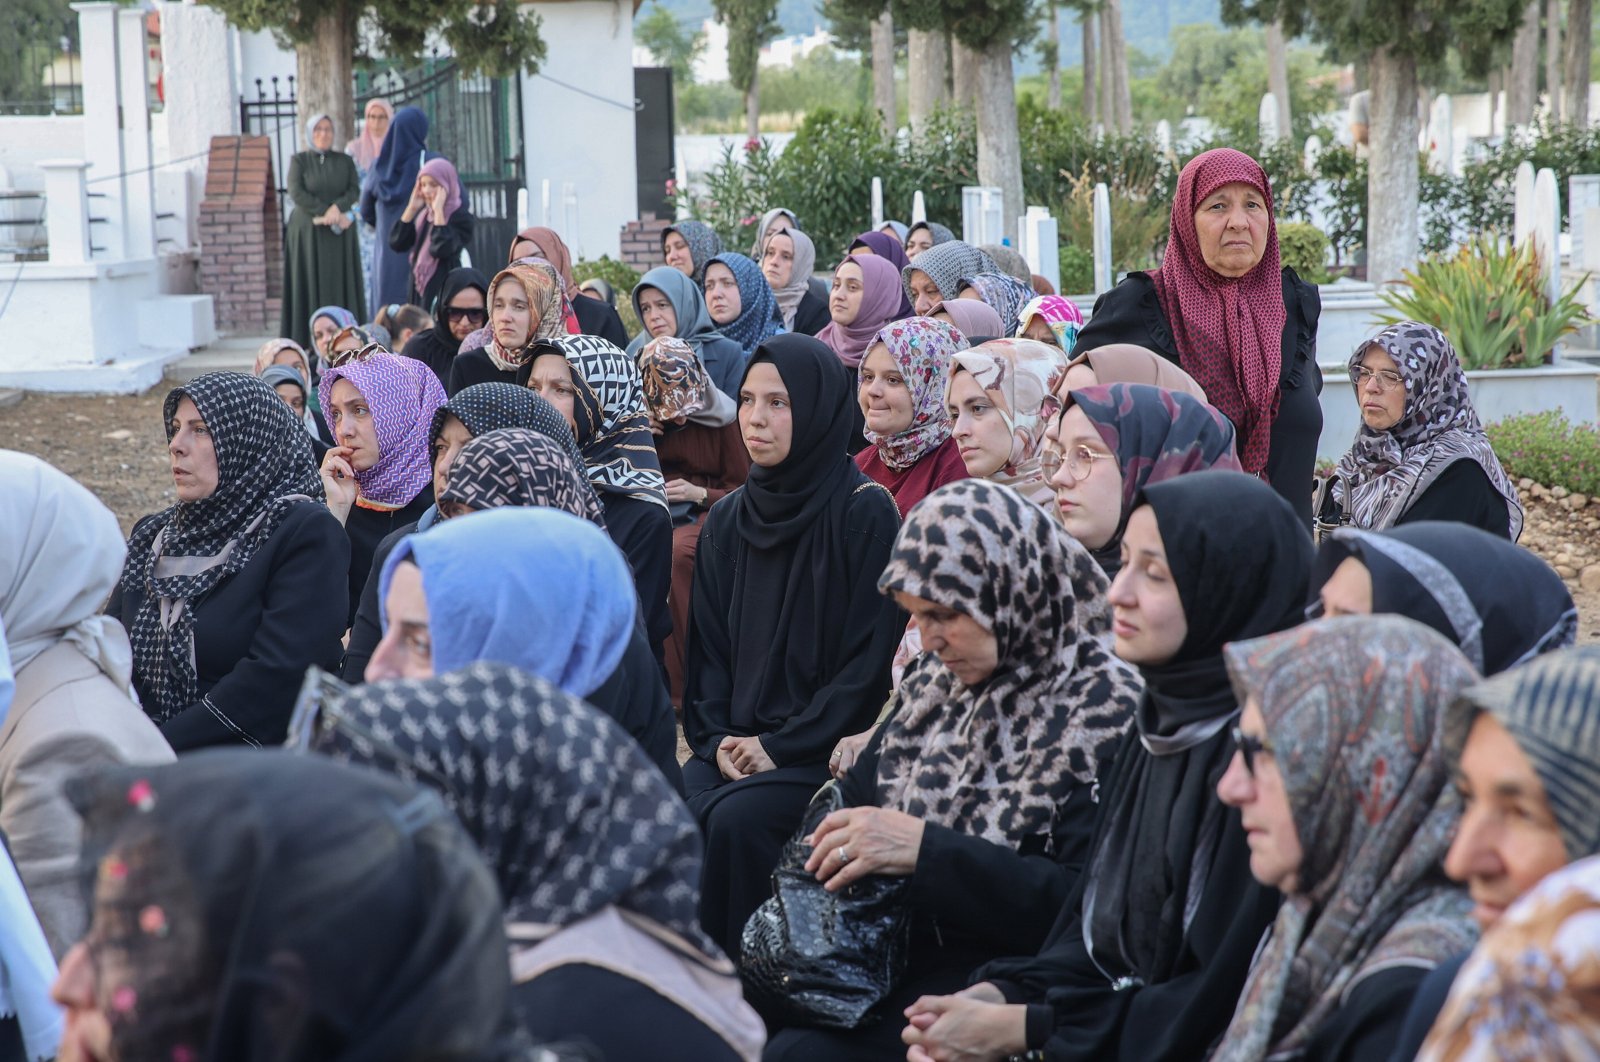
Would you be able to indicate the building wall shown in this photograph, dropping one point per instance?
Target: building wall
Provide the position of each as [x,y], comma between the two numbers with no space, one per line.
[574,140]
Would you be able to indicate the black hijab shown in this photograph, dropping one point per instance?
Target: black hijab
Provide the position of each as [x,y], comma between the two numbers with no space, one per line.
[330,913]
[436,346]
[1500,603]
[1160,819]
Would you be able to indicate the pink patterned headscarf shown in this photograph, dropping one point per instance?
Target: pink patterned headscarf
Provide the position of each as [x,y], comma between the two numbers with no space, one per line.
[1061,314]
[922,348]
[424,264]
[364,148]
[403,394]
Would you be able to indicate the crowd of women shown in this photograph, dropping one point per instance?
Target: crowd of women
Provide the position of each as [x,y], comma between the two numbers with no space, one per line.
[1160,747]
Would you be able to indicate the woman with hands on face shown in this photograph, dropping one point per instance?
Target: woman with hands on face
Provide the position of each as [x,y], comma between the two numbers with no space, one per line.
[981,783]
[434,229]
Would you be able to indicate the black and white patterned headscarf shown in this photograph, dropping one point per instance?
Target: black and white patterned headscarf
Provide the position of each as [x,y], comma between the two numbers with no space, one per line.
[946,264]
[487,407]
[264,466]
[566,808]
[613,426]
[998,760]
[520,466]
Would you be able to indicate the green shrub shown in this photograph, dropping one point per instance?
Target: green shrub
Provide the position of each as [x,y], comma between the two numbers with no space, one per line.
[1550,450]
[1303,247]
[1488,298]
[1077,269]
[619,276]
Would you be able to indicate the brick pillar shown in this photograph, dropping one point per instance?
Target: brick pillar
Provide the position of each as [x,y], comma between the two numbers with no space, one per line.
[641,242]
[241,235]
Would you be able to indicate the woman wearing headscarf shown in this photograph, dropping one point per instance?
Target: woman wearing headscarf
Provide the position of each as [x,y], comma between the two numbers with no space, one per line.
[231,592]
[925,234]
[386,193]
[281,354]
[321,251]
[896,230]
[434,228]
[364,149]
[31,1024]
[1050,319]
[900,387]
[741,302]
[866,296]
[598,389]
[883,245]
[254,905]
[595,317]
[668,303]
[526,308]
[597,861]
[559,603]
[473,412]
[771,222]
[325,323]
[1006,294]
[1224,307]
[1502,604]
[1421,453]
[996,402]
[789,642]
[1366,911]
[1009,263]
[462,307]
[1126,363]
[61,554]
[1112,442]
[702,458]
[379,476]
[1017,608]
[936,274]
[789,260]
[976,321]
[688,245]
[1147,959]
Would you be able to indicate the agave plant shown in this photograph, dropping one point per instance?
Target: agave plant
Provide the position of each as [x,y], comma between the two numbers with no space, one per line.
[1488,298]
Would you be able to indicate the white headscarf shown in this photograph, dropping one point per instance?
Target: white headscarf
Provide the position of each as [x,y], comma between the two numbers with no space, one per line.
[61,552]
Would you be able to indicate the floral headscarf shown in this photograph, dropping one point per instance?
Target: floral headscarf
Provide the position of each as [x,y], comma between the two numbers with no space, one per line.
[1005,293]
[1020,374]
[542,284]
[1355,710]
[758,318]
[1383,472]
[1060,313]
[403,394]
[922,349]
[677,385]
[882,301]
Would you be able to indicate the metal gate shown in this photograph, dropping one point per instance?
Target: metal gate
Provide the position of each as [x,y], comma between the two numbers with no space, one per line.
[272,115]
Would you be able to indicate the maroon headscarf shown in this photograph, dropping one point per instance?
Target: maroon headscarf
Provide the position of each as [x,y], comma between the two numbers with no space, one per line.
[1229,331]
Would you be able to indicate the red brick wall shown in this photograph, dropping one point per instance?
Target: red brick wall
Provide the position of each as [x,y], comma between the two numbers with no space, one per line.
[641,242]
[241,235]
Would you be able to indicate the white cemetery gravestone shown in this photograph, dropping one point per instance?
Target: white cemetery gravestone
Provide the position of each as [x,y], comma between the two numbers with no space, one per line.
[919,209]
[1522,203]
[877,203]
[1267,120]
[1041,243]
[1583,192]
[1441,134]
[1547,230]
[1164,137]
[1103,277]
[981,218]
[1313,152]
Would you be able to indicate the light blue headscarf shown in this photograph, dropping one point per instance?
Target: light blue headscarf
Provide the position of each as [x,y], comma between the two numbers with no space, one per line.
[539,589]
[27,969]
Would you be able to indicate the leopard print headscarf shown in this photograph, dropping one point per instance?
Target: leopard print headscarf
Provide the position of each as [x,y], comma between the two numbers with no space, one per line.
[998,760]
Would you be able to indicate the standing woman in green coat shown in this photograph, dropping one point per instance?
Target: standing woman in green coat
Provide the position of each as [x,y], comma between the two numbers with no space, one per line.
[321,249]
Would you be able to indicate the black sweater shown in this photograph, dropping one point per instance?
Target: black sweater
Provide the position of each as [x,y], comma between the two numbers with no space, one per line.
[811,316]
[474,367]
[368,527]
[1131,313]
[258,630]
[446,241]
[1464,494]
[643,531]
[596,318]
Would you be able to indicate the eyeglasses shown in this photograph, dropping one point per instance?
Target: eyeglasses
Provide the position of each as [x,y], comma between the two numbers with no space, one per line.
[1250,747]
[1387,379]
[1079,461]
[345,357]
[475,314]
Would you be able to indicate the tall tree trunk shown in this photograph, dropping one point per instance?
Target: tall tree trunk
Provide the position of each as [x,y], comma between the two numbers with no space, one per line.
[1552,57]
[1121,103]
[1278,76]
[999,154]
[1091,95]
[883,70]
[927,62]
[1392,167]
[1108,110]
[964,66]
[1055,67]
[1575,106]
[1522,87]
[324,74]
[752,105]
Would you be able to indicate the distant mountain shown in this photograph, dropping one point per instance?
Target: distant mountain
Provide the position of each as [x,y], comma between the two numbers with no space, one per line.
[1148,24]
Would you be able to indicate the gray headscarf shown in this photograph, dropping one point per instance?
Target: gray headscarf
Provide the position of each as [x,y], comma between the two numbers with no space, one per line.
[945,264]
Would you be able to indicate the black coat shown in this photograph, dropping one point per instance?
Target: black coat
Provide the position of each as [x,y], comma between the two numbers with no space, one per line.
[474,367]
[1131,313]
[622,1017]
[447,241]
[258,630]
[642,530]
[367,528]
[812,315]
[596,318]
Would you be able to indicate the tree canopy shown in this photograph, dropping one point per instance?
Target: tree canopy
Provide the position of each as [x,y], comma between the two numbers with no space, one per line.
[669,41]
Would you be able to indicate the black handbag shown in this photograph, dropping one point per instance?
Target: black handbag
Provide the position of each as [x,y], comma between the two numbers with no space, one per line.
[813,957]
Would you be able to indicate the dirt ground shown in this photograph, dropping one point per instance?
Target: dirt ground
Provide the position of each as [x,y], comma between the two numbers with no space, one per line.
[116,448]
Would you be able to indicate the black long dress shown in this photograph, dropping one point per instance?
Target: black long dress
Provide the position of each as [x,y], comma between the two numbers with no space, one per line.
[446,241]
[789,639]
[1131,313]
[321,267]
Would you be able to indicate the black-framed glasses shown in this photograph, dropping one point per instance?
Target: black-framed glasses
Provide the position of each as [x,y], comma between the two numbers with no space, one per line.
[1387,379]
[1250,746]
[1079,461]
[475,314]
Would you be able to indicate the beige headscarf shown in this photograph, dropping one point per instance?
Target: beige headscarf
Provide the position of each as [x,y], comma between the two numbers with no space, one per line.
[1127,363]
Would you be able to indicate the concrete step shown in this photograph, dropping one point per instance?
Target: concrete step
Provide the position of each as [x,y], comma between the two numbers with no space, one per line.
[235,353]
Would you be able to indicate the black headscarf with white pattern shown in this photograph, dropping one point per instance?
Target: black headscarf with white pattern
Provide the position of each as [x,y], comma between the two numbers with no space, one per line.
[566,808]
[520,466]
[264,466]
[487,407]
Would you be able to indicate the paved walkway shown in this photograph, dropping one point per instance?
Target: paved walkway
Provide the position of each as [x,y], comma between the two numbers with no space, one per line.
[236,352]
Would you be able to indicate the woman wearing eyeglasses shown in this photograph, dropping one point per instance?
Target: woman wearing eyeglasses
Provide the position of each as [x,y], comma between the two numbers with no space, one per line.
[463,308]
[1349,815]
[1421,453]
[1147,959]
